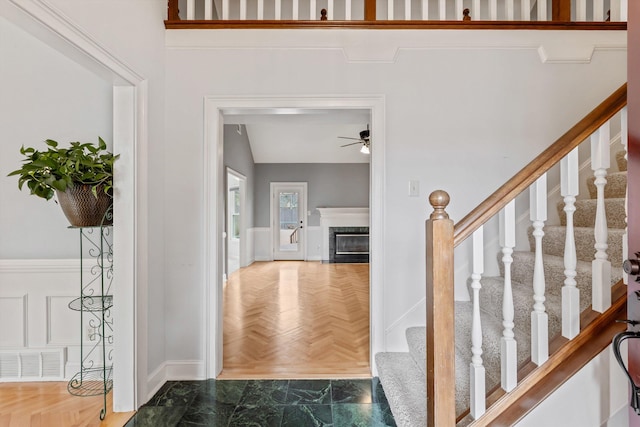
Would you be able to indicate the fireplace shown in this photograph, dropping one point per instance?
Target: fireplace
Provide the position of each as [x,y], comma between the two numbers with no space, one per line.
[348,244]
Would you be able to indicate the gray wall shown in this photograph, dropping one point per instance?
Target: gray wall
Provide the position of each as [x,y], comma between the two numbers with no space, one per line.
[238,156]
[329,185]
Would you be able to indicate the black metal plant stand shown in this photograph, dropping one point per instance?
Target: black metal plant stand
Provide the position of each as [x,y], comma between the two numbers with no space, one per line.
[96,322]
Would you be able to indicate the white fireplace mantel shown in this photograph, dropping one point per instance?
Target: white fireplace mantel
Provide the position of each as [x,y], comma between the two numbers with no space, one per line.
[340,217]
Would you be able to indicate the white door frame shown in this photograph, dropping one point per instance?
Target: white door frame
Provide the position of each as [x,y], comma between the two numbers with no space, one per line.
[214,107]
[130,137]
[272,217]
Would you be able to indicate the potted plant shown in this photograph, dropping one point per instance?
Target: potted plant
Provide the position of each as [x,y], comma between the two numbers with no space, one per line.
[81,177]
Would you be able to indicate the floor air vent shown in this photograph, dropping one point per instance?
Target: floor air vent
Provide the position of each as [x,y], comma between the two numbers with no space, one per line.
[32,364]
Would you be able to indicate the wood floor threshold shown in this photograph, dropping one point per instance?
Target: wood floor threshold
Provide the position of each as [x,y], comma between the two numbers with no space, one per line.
[537,383]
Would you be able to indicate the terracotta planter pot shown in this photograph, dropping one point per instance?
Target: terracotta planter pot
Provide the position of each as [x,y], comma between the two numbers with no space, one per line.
[83,209]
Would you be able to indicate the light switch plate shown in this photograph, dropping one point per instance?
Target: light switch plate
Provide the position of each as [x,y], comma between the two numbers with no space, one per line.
[414,188]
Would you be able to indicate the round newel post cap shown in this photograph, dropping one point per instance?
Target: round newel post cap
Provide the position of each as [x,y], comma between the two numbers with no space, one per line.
[439,200]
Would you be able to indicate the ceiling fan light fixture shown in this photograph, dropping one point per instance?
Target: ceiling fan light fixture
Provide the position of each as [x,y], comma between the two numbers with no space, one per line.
[365,149]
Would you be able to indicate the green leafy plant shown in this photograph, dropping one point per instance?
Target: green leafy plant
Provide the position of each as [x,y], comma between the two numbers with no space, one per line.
[59,168]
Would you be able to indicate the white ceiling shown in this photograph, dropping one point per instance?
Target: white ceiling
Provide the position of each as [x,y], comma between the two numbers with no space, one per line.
[302,135]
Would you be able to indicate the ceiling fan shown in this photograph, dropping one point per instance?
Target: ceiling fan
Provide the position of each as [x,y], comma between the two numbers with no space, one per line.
[364,140]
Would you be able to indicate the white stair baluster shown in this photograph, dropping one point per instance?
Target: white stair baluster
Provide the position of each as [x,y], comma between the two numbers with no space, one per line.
[581,10]
[225,10]
[598,11]
[539,317]
[510,10]
[191,10]
[278,10]
[347,10]
[493,10]
[624,140]
[569,188]
[425,10]
[208,10]
[442,12]
[477,372]
[330,10]
[243,9]
[407,10]
[624,10]
[312,11]
[601,266]
[458,10]
[615,10]
[390,6]
[525,10]
[508,345]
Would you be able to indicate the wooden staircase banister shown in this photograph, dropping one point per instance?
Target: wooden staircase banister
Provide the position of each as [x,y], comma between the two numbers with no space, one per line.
[541,164]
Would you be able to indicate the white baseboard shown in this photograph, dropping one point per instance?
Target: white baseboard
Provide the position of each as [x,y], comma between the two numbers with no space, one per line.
[174,370]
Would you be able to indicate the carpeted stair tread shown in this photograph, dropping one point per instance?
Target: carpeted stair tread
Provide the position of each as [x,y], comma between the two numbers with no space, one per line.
[585,214]
[554,238]
[615,187]
[491,298]
[621,160]
[405,388]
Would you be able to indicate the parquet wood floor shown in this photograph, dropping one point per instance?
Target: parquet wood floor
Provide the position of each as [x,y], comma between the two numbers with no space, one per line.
[294,319]
[49,404]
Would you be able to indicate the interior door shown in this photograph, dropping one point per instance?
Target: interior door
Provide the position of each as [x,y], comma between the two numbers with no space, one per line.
[288,220]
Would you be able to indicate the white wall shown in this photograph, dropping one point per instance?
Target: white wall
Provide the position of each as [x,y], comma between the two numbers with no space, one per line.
[595,396]
[44,96]
[459,119]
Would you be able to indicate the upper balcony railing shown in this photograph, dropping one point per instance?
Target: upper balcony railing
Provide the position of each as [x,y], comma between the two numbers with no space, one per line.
[575,14]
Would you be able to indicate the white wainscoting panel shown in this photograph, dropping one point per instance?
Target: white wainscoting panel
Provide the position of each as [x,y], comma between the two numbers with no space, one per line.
[13,332]
[262,244]
[34,298]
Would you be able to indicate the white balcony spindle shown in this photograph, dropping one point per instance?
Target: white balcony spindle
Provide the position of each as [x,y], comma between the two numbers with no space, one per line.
[208,10]
[475,10]
[525,10]
[598,11]
[493,10]
[260,10]
[569,188]
[442,10]
[225,10]
[425,10]
[624,140]
[508,345]
[277,10]
[601,266]
[243,10]
[477,371]
[511,10]
[330,10]
[312,11]
[295,10]
[615,10]
[581,10]
[624,10]
[458,10]
[539,317]
[191,10]
[542,10]
[390,7]
[407,10]
[347,10]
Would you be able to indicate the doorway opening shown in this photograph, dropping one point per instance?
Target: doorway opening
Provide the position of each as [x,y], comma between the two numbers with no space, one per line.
[235,228]
[221,111]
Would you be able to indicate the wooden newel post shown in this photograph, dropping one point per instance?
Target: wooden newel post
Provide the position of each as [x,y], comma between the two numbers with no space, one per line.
[441,383]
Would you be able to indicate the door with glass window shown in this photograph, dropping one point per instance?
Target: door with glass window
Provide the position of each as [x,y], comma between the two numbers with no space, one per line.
[288,220]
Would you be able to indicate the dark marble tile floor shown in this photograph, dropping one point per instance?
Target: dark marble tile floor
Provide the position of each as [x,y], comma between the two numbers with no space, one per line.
[263,403]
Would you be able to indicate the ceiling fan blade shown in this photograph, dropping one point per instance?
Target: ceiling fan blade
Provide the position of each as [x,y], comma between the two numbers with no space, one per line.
[353,143]
[347,137]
